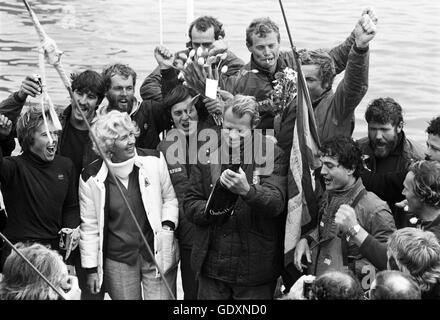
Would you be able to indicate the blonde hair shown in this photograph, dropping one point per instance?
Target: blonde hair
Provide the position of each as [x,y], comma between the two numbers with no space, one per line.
[427,182]
[106,128]
[416,252]
[242,105]
[21,282]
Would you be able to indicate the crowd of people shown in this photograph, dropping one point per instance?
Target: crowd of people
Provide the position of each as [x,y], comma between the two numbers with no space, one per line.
[126,183]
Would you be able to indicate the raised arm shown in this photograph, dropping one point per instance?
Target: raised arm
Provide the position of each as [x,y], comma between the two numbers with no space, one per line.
[12,106]
[353,87]
[340,52]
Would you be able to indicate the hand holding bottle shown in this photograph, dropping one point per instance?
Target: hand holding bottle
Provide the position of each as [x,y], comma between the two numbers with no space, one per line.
[235,182]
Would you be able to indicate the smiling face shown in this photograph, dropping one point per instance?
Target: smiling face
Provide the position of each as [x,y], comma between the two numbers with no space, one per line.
[41,145]
[383,138]
[121,93]
[124,147]
[87,102]
[182,113]
[336,176]
[236,128]
[265,50]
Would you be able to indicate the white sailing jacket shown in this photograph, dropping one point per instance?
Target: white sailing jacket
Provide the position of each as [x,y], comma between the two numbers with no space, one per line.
[159,201]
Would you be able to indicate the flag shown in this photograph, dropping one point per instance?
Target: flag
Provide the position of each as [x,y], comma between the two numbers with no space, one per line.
[302,204]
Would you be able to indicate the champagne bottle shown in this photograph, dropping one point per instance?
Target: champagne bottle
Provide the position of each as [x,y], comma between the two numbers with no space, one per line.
[221,201]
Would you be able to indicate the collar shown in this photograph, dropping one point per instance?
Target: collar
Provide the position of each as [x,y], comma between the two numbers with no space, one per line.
[323,95]
[35,159]
[122,169]
[349,192]
[103,171]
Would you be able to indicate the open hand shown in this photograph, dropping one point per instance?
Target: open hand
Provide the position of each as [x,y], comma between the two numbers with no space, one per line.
[301,249]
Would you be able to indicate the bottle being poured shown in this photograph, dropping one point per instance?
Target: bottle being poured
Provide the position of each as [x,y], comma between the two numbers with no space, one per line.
[221,202]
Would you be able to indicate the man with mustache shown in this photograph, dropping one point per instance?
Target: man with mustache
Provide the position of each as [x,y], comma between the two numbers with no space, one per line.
[150,116]
[387,152]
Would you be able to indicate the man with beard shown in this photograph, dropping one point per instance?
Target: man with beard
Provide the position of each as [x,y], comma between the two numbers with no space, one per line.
[239,256]
[150,116]
[74,142]
[387,152]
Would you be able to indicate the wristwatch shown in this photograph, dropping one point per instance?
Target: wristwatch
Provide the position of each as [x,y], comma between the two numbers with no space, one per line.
[352,231]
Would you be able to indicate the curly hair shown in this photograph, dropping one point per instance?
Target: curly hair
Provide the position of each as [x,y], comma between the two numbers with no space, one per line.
[106,128]
[241,105]
[261,27]
[427,182]
[384,111]
[21,282]
[434,126]
[117,68]
[89,80]
[28,124]
[204,23]
[416,252]
[320,57]
[337,285]
[346,150]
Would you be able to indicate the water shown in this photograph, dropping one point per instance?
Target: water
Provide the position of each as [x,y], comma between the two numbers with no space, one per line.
[404,61]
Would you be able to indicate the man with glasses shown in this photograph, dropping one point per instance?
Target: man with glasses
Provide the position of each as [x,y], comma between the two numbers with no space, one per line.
[328,246]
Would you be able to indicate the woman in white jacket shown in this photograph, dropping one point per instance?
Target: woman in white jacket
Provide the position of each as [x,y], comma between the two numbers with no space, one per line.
[112,249]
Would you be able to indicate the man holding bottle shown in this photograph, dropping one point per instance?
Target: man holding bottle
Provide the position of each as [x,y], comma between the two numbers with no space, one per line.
[239,256]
